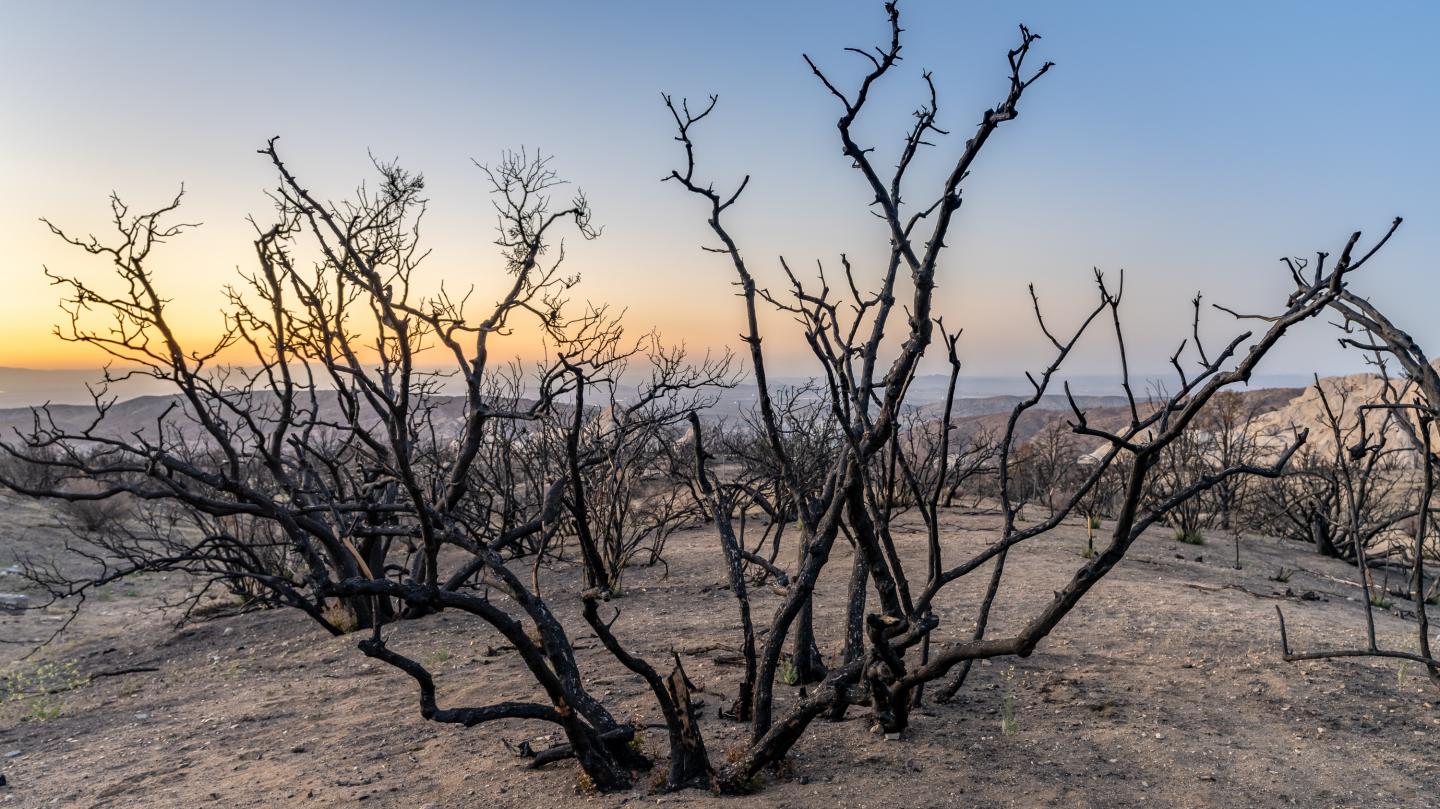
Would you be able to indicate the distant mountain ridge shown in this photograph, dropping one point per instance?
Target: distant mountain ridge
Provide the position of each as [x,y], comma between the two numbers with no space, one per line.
[24,387]
[971,413]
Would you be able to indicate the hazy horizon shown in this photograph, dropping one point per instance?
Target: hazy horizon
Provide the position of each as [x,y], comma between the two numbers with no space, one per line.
[28,387]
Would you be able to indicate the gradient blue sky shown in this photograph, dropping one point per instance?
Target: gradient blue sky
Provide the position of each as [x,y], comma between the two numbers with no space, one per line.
[1191,144]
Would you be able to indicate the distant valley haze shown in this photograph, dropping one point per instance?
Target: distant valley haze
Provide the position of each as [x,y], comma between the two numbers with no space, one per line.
[27,387]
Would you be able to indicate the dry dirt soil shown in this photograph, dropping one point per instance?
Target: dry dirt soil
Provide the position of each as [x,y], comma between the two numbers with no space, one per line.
[1165,688]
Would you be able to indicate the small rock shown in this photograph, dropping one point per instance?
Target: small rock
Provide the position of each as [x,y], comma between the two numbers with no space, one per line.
[12,753]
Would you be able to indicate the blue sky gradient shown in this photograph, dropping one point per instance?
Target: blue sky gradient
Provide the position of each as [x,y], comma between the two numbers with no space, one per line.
[1190,144]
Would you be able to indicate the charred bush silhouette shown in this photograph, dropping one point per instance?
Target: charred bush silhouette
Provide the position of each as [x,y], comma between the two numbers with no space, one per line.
[336,447]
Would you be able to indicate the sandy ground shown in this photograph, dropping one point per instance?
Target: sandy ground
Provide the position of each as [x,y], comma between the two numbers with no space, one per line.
[1163,689]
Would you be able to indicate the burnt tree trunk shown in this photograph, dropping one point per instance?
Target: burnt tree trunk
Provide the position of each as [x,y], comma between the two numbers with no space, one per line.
[1324,540]
[804,652]
[689,763]
[854,626]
